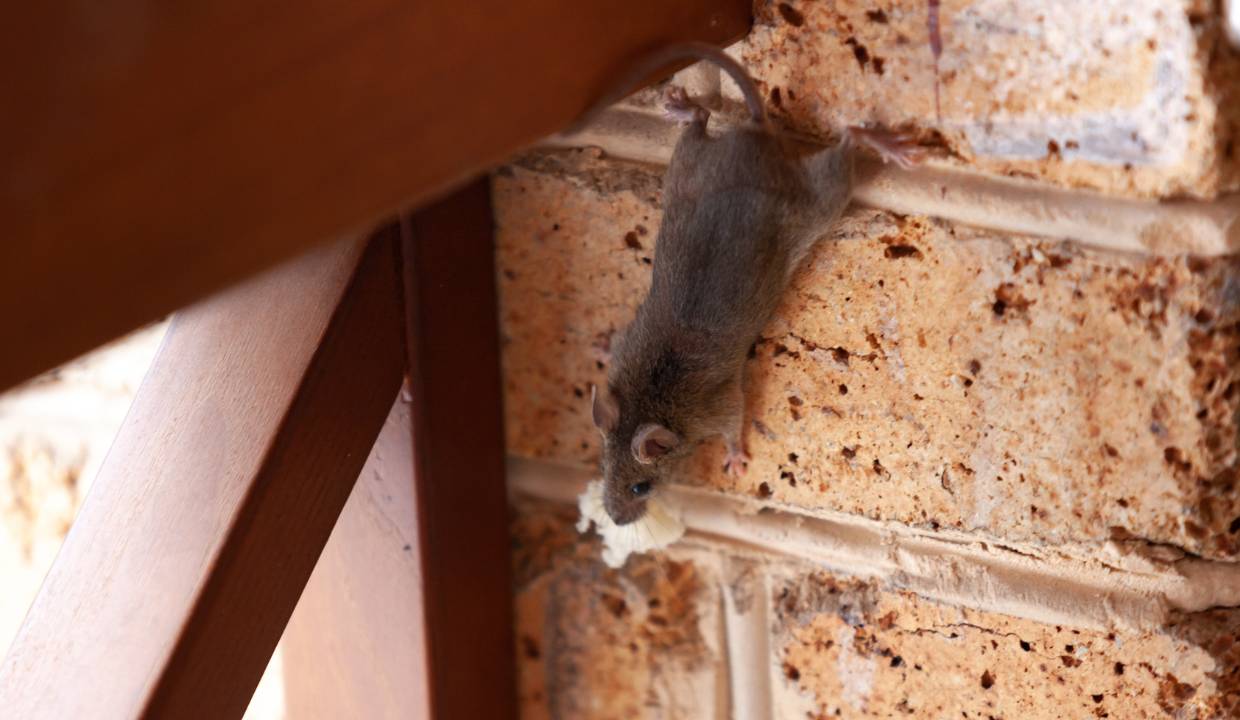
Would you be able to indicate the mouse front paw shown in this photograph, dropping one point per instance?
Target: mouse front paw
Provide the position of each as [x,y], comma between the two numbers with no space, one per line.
[736,463]
[900,148]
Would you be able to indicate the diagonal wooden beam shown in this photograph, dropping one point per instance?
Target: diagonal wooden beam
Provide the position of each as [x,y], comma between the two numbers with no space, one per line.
[410,607]
[206,519]
[151,153]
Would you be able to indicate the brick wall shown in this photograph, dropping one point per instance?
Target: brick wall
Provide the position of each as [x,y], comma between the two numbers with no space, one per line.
[994,424]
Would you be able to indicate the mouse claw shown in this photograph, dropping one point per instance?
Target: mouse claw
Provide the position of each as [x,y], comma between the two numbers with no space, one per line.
[736,463]
[678,107]
[900,148]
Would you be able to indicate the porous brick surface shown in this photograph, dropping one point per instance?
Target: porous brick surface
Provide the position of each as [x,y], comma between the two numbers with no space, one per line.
[918,371]
[592,642]
[647,641]
[848,649]
[1134,98]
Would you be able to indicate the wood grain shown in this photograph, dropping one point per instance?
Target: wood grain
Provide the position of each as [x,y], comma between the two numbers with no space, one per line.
[452,329]
[151,153]
[355,646]
[206,518]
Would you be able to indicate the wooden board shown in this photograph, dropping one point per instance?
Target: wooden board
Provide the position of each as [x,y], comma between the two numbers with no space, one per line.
[151,153]
[384,629]
[355,646]
[452,330]
[206,519]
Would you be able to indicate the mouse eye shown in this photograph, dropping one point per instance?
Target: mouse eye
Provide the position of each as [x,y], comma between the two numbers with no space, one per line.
[641,489]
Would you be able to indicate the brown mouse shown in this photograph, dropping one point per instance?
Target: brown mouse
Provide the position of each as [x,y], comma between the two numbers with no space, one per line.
[740,213]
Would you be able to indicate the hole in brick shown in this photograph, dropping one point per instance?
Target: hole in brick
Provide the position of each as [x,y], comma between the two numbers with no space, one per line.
[791,15]
[775,99]
[848,453]
[897,661]
[999,307]
[791,672]
[1234,526]
[578,392]
[988,680]
[785,475]
[840,355]
[764,490]
[1069,648]
[1203,316]
[1097,698]
[878,467]
[1119,668]
[975,367]
[1025,646]
[896,252]
[616,606]
[1122,502]
[843,389]
[1069,661]
[795,401]
[859,51]
[530,647]
[792,458]
[630,240]
[877,16]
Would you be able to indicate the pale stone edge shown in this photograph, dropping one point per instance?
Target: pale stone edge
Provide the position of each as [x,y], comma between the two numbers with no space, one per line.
[1128,587]
[1023,207]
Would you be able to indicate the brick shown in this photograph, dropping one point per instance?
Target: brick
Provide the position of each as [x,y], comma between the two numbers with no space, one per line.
[846,648]
[1133,98]
[644,641]
[920,371]
[640,642]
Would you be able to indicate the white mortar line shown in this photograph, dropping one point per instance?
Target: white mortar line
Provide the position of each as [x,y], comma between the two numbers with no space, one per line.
[1002,204]
[747,633]
[1102,589]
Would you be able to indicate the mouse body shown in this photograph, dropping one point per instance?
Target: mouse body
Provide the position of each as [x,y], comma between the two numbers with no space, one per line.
[740,213]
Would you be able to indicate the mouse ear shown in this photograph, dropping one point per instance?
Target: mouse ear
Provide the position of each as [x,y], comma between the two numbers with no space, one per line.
[606,413]
[652,441]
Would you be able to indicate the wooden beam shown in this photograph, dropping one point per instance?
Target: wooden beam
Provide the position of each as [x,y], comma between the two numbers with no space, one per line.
[356,645]
[151,153]
[213,505]
[452,331]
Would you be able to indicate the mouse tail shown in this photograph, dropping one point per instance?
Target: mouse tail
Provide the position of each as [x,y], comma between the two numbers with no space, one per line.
[663,57]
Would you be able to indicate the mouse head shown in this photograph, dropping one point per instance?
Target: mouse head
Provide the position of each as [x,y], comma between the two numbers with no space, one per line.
[633,453]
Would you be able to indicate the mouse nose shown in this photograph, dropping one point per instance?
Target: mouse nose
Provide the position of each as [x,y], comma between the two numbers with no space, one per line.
[624,508]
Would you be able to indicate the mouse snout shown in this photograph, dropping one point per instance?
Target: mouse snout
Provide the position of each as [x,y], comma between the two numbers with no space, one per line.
[626,502]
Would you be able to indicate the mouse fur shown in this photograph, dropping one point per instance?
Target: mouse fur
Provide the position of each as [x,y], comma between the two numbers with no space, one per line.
[740,213]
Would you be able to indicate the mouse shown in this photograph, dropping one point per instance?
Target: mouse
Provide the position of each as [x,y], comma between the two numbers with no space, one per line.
[741,211]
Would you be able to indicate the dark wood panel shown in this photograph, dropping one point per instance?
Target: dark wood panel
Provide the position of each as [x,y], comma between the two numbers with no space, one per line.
[151,153]
[458,451]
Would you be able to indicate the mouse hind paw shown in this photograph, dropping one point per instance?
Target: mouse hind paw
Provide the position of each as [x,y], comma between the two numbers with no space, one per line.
[900,148]
[678,107]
